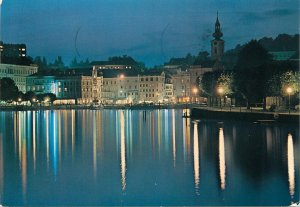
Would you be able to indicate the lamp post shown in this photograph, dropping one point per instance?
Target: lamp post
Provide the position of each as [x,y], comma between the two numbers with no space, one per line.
[289,90]
[220,91]
[19,100]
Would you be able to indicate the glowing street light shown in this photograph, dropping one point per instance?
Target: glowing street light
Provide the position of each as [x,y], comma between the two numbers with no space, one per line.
[289,90]
[122,76]
[19,99]
[47,99]
[195,91]
[220,91]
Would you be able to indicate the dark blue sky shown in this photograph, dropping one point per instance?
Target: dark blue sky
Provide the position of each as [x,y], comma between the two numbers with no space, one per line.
[151,31]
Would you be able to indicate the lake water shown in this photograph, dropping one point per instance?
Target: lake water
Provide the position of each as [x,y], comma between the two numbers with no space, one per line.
[123,157]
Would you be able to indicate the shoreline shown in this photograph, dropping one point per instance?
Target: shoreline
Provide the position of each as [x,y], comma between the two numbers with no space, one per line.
[85,107]
[197,112]
[251,116]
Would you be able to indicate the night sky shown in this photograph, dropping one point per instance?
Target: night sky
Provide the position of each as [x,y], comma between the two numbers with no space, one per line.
[151,31]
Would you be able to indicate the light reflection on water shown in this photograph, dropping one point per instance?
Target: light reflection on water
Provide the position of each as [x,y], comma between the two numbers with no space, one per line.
[196,157]
[123,157]
[291,165]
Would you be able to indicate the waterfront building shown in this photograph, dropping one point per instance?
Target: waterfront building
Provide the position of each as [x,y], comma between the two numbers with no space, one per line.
[169,93]
[80,88]
[129,86]
[152,85]
[40,84]
[181,86]
[18,73]
[120,86]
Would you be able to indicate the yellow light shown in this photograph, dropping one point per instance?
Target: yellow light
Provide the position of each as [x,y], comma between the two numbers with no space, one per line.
[47,99]
[19,99]
[122,76]
[34,100]
[195,90]
[220,90]
[289,90]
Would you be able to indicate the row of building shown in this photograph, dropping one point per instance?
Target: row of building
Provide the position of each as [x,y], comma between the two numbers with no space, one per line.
[111,86]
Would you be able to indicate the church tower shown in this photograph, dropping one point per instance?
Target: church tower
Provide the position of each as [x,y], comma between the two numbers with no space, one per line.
[217,44]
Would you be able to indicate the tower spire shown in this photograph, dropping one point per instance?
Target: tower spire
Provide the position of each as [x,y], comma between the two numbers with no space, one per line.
[217,34]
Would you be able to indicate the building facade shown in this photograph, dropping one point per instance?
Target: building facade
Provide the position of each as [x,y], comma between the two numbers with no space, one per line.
[18,73]
[182,86]
[13,50]
[152,87]
[41,84]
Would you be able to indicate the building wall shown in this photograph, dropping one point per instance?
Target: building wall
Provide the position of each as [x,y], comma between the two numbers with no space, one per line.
[133,89]
[168,92]
[182,86]
[88,94]
[109,90]
[18,73]
[152,88]
[69,87]
[13,50]
[41,84]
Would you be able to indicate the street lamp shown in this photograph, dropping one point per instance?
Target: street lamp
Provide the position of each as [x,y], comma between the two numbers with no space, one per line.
[289,90]
[221,91]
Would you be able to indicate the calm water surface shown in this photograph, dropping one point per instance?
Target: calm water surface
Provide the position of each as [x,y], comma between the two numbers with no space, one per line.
[122,157]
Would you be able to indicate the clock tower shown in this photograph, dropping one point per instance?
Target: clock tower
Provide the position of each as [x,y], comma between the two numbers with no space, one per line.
[217,44]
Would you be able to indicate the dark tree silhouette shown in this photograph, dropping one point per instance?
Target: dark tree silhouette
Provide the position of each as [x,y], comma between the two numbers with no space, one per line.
[8,89]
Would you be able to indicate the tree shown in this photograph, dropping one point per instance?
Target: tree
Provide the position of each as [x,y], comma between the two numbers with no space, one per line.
[252,55]
[30,96]
[225,81]
[274,86]
[20,96]
[208,84]
[8,89]
[290,79]
[251,73]
[50,97]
